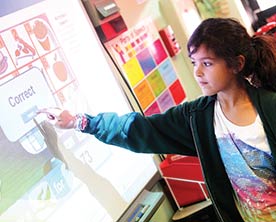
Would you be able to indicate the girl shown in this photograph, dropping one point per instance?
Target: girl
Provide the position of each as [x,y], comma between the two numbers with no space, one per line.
[231,128]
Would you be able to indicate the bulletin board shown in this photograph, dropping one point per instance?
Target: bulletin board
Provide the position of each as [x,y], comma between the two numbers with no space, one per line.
[144,61]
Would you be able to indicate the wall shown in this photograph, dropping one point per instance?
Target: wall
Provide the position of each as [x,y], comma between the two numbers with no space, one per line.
[133,12]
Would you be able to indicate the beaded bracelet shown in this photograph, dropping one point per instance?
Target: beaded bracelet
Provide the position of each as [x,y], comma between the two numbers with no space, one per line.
[81,122]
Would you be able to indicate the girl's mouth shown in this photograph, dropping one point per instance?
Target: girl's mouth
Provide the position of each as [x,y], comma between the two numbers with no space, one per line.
[202,83]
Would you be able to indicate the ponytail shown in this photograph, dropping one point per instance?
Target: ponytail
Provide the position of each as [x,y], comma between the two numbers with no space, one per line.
[264,71]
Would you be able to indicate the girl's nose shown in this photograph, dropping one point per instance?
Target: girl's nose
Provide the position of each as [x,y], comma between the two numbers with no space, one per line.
[198,70]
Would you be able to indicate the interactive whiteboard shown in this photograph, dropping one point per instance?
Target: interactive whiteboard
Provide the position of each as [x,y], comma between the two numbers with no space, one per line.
[50,56]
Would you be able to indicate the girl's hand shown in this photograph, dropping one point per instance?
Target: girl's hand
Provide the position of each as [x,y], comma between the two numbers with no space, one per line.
[62,119]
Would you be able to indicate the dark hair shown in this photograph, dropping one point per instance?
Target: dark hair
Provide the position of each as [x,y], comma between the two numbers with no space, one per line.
[227,38]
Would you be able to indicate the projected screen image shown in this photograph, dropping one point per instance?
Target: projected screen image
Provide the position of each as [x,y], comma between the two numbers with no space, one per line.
[50,57]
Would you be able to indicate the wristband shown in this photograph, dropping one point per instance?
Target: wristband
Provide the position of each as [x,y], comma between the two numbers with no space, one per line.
[81,122]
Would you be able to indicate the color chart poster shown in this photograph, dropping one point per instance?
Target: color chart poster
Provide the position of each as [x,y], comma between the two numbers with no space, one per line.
[145,63]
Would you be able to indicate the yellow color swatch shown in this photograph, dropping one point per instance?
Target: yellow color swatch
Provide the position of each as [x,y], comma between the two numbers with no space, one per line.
[133,71]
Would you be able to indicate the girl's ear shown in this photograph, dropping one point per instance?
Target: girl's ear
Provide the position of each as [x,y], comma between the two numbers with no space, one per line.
[240,62]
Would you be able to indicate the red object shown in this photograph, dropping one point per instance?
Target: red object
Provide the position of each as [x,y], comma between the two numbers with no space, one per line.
[271,18]
[167,36]
[175,168]
[111,28]
[177,92]
[269,28]
[106,18]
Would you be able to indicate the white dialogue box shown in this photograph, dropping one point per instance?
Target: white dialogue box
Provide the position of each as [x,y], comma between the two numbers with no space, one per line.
[20,98]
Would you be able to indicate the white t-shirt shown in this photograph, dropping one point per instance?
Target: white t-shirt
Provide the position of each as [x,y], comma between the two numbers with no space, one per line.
[250,167]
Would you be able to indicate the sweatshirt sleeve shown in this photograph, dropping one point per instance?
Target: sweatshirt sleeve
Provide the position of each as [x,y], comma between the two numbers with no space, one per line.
[160,133]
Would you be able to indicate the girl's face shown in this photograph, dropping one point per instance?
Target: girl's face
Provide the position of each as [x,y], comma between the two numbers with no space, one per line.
[211,73]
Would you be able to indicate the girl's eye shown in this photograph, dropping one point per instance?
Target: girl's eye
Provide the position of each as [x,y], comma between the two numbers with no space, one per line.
[207,64]
[193,63]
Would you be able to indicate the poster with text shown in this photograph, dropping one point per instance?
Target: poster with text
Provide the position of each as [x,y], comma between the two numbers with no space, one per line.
[143,59]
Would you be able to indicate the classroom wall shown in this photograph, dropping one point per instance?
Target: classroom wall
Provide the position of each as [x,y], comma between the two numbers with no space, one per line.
[134,12]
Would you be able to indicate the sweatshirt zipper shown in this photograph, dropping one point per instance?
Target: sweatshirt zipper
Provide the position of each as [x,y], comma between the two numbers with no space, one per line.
[207,186]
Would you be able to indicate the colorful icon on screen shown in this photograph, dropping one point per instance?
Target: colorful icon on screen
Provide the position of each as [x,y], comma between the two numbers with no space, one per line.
[3,63]
[42,34]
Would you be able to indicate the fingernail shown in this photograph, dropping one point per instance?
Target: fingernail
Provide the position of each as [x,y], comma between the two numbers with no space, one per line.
[51,117]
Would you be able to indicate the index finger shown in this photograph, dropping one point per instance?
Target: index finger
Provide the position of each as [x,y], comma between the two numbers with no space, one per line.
[52,113]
